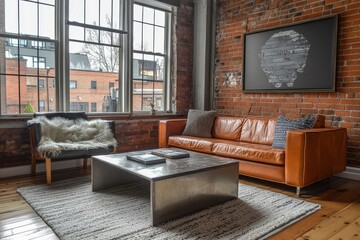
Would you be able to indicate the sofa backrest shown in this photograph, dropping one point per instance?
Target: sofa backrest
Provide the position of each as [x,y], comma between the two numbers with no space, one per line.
[250,129]
[228,128]
[258,130]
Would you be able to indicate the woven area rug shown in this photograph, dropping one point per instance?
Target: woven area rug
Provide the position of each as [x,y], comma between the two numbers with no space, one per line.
[73,211]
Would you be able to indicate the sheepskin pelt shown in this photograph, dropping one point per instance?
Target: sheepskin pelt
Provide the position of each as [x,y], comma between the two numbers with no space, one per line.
[63,134]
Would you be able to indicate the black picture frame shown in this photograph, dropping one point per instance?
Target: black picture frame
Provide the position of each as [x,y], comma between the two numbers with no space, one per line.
[299,57]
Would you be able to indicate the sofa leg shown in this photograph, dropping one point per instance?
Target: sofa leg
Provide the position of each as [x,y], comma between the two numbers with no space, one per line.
[48,170]
[33,164]
[298,191]
[85,163]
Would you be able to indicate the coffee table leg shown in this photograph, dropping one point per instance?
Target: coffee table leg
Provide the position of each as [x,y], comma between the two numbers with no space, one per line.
[174,197]
[104,175]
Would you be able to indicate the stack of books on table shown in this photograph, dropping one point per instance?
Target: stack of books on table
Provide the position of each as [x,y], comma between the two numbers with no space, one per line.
[170,153]
[146,158]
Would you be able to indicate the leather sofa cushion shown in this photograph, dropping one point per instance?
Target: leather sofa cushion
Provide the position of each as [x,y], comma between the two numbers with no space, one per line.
[237,150]
[249,151]
[258,130]
[228,128]
[203,145]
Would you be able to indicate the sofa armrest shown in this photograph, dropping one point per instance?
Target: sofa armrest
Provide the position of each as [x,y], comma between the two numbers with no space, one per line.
[314,154]
[168,128]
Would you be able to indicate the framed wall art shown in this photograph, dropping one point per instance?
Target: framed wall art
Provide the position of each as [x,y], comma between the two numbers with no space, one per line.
[293,58]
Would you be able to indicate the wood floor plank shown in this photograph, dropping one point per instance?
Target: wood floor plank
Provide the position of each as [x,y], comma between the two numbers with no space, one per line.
[17,224]
[334,224]
[350,232]
[27,234]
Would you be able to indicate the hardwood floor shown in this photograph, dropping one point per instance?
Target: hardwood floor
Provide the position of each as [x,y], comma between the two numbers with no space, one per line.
[339,217]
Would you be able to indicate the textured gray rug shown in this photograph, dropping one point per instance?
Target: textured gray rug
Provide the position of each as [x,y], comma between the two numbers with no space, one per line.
[73,211]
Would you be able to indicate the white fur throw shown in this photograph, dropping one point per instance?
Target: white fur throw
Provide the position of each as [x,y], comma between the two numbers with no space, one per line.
[63,134]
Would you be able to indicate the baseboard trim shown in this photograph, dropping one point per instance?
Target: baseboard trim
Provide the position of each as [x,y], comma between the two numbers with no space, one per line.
[40,167]
[350,173]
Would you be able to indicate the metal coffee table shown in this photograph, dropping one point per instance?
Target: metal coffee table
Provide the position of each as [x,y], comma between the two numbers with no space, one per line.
[177,187]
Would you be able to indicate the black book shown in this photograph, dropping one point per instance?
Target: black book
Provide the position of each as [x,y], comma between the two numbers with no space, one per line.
[170,153]
[146,158]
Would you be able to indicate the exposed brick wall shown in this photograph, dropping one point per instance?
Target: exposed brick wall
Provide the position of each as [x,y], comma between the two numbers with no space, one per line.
[131,133]
[182,88]
[341,108]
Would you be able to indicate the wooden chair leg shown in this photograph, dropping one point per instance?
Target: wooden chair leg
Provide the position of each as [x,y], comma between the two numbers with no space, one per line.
[85,163]
[33,164]
[48,170]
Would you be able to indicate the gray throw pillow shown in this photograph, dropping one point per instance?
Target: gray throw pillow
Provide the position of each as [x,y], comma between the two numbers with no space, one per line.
[199,123]
[283,125]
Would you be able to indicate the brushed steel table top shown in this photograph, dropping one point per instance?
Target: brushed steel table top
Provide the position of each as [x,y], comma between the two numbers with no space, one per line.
[197,162]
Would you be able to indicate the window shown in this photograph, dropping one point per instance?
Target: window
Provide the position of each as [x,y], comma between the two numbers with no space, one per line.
[42,105]
[93,85]
[93,107]
[98,46]
[95,37]
[79,106]
[26,26]
[41,83]
[36,44]
[150,57]
[73,84]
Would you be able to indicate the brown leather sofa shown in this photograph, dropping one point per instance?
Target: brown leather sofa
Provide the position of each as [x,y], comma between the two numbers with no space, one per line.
[309,156]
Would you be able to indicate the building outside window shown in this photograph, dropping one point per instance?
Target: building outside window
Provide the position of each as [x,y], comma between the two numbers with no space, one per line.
[98,43]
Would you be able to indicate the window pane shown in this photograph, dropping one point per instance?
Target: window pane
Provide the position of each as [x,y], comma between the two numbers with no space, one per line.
[105,37]
[160,18]
[92,12]
[93,82]
[11,16]
[148,37]
[20,93]
[100,57]
[76,33]
[7,106]
[116,15]
[159,40]
[8,56]
[138,12]
[137,31]
[92,35]
[28,18]
[116,39]
[160,62]
[137,95]
[47,21]
[76,11]
[105,13]
[93,87]
[148,15]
